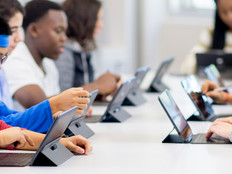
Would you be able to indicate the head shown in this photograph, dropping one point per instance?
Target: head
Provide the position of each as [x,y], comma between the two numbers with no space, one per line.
[85,21]
[12,12]
[223,22]
[5,33]
[45,26]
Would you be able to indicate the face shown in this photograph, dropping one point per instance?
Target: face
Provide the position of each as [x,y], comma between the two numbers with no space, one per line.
[50,34]
[225,11]
[99,24]
[15,23]
[3,55]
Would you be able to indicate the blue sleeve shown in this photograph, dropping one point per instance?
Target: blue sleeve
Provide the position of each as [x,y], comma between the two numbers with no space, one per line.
[37,118]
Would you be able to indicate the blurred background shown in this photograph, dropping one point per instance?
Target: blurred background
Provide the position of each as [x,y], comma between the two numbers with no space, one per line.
[145,32]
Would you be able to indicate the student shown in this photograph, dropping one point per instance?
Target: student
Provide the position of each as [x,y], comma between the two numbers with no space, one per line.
[74,64]
[27,139]
[40,117]
[218,37]
[10,15]
[32,77]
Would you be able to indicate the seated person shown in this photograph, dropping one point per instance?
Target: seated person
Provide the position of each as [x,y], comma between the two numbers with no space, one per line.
[29,140]
[32,77]
[214,38]
[74,64]
[40,117]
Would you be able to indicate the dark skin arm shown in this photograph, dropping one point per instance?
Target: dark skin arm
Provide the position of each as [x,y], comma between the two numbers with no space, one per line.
[30,95]
[107,84]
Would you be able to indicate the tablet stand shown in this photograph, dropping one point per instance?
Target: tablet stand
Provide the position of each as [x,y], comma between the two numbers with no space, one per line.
[117,115]
[53,154]
[157,87]
[173,138]
[79,127]
[134,98]
[195,118]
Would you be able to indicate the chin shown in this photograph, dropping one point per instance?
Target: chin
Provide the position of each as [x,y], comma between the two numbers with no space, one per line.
[54,57]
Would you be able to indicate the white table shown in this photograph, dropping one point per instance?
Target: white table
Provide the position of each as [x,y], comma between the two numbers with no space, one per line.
[134,146]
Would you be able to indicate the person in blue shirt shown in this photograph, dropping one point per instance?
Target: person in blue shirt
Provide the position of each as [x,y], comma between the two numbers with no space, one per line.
[18,138]
[40,117]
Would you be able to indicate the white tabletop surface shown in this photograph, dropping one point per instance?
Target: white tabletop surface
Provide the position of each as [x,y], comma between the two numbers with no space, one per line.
[134,146]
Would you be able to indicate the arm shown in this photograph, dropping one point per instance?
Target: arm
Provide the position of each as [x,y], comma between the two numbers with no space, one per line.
[30,95]
[38,118]
[106,84]
[77,144]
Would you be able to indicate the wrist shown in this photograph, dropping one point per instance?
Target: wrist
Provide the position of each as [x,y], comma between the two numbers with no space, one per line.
[227,98]
[230,137]
[53,105]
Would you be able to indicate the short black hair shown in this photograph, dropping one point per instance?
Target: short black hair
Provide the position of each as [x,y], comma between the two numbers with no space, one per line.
[8,8]
[4,27]
[36,9]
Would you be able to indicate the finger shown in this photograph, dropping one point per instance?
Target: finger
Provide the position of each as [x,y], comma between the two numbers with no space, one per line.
[82,100]
[209,133]
[117,77]
[78,89]
[81,106]
[21,141]
[57,113]
[28,139]
[204,88]
[227,119]
[88,148]
[79,112]
[74,148]
[82,93]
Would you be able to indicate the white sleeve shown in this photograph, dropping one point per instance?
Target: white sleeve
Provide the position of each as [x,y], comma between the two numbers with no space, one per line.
[188,66]
[19,74]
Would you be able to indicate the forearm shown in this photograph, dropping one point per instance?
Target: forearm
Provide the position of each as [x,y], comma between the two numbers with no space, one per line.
[91,86]
[37,139]
[37,118]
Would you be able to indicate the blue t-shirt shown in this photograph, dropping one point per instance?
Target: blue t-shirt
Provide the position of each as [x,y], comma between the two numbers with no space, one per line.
[37,118]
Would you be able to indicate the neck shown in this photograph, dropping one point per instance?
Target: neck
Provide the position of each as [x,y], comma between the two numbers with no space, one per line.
[34,50]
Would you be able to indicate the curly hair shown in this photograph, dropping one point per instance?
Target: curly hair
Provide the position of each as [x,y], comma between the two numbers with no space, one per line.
[82,17]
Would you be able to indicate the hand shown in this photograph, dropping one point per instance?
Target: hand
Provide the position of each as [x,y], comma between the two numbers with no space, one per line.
[89,112]
[56,114]
[77,144]
[208,86]
[68,99]
[12,135]
[220,128]
[107,83]
[207,89]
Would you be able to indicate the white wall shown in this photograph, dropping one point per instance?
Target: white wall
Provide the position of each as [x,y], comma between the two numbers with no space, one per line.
[117,42]
[151,19]
[179,34]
